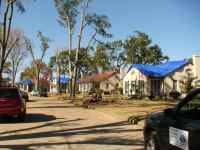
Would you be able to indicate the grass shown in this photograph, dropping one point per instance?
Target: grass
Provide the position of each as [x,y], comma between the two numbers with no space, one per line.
[120,106]
[127,108]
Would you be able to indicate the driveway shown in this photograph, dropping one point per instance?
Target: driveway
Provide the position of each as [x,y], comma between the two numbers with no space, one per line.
[57,125]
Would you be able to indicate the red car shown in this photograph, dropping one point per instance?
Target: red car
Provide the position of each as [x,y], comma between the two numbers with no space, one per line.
[12,103]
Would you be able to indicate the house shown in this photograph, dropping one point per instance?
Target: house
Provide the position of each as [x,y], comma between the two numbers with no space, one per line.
[123,71]
[54,83]
[26,85]
[158,80]
[106,81]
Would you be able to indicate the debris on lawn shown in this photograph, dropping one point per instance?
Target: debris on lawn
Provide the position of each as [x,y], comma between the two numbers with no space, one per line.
[92,100]
[137,118]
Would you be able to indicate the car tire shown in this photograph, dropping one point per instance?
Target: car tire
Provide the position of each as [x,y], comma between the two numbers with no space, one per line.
[151,142]
[22,116]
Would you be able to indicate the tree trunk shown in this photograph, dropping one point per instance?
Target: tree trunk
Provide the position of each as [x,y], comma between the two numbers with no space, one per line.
[77,52]
[13,72]
[37,79]
[75,79]
[70,67]
[69,56]
[1,76]
[58,74]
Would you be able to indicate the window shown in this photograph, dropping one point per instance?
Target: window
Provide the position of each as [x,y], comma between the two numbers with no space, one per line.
[126,87]
[191,109]
[107,85]
[9,93]
[175,85]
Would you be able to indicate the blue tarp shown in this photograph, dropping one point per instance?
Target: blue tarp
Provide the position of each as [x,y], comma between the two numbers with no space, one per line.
[26,82]
[160,70]
[64,79]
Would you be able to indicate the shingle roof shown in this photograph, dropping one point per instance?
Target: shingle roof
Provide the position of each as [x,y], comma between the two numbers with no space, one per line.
[160,70]
[97,77]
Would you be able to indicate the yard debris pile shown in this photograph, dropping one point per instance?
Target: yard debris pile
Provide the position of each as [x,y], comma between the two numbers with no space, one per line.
[93,99]
[137,118]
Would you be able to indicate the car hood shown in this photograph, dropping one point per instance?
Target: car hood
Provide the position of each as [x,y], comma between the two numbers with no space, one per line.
[154,119]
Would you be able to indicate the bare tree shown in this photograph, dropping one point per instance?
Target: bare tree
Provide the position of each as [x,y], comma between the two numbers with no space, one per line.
[38,61]
[71,13]
[18,53]
[5,46]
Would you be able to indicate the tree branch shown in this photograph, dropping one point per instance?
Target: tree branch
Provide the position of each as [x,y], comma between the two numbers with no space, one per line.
[90,40]
[10,49]
[9,24]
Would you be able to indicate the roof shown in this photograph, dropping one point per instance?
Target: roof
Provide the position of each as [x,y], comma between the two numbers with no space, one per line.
[160,70]
[26,82]
[97,77]
[64,79]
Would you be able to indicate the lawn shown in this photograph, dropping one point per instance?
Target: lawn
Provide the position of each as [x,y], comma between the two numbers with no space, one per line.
[124,108]
[127,108]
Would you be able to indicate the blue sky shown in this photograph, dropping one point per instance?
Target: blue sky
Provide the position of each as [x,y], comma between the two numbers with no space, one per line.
[173,24]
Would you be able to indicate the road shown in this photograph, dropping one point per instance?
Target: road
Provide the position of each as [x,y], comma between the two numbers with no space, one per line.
[57,125]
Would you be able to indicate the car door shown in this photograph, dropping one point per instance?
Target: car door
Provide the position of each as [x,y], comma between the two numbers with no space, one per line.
[188,120]
[181,130]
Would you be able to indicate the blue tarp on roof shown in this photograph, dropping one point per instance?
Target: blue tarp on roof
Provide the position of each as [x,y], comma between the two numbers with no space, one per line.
[160,70]
[26,82]
[64,79]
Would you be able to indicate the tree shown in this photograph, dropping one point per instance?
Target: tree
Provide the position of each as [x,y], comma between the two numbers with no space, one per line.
[110,54]
[72,12]
[139,49]
[100,59]
[31,73]
[67,13]
[18,53]
[5,28]
[38,61]
[187,81]
[85,61]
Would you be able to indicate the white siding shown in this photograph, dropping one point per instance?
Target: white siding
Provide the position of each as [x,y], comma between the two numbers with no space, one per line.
[132,76]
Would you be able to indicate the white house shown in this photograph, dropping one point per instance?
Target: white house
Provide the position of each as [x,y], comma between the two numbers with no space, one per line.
[159,80]
[106,81]
[54,83]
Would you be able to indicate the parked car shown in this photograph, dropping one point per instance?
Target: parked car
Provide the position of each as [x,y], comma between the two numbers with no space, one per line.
[34,93]
[11,103]
[175,128]
[25,95]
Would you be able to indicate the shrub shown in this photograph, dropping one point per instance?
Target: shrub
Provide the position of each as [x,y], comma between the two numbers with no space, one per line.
[174,94]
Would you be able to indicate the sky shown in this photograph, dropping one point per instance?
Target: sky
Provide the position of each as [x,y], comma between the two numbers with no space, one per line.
[173,24]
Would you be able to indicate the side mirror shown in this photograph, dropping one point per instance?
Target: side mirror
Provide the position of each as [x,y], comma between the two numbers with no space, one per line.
[169,112]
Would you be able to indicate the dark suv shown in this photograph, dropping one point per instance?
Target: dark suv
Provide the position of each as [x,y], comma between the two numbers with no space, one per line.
[12,103]
[177,128]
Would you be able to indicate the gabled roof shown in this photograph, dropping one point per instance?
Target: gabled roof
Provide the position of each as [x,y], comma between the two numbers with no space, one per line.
[97,77]
[64,79]
[26,82]
[160,70]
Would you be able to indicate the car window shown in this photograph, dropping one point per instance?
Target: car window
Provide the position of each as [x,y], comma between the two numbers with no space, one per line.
[191,109]
[9,93]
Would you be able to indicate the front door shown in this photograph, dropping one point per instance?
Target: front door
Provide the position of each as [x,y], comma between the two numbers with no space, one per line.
[155,87]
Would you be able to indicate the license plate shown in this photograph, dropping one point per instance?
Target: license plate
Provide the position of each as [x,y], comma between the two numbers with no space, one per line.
[179,138]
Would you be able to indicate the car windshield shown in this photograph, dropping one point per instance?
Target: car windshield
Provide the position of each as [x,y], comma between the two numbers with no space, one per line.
[191,109]
[9,93]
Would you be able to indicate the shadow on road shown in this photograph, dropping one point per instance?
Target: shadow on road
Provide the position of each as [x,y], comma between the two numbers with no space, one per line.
[30,118]
[104,135]
[52,107]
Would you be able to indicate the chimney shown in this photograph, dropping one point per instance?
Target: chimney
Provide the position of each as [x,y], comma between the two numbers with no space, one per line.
[196,63]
